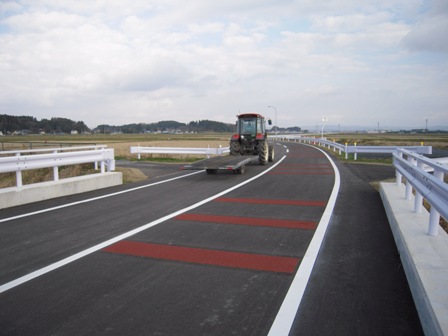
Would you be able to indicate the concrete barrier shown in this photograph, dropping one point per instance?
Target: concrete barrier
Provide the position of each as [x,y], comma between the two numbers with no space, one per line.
[46,190]
[424,258]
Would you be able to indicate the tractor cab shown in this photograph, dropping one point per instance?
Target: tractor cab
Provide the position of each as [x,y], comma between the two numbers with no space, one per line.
[251,125]
[251,137]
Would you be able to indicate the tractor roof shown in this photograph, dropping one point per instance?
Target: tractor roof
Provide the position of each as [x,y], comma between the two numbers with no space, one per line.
[250,115]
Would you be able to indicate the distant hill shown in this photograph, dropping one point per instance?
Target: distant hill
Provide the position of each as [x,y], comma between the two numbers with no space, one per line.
[168,126]
[30,125]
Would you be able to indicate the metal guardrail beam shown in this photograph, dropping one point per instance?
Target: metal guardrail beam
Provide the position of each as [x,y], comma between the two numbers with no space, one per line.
[178,150]
[18,163]
[427,186]
[353,149]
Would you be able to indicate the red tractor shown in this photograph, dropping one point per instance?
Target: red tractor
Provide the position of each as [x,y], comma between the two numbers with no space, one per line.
[251,138]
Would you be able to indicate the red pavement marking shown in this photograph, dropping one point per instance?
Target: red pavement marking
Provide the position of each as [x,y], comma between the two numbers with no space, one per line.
[258,262]
[271,201]
[250,221]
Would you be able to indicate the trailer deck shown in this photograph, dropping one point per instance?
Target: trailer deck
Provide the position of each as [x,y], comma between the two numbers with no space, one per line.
[222,163]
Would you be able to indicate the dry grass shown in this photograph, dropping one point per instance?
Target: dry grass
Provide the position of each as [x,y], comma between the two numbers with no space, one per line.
[45,174]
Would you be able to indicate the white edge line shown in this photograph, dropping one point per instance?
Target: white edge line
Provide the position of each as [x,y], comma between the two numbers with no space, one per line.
[79,255]
[285,317]
[94,198]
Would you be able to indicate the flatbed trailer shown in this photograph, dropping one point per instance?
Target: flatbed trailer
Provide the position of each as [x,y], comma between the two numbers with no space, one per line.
[222,163]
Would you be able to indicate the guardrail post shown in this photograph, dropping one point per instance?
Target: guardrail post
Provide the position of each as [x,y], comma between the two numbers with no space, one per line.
[18,176]
[418,204]
[434,218]
[346,150]
[356,154]
[55,170]
[408,183]
[398,175]
[434,215]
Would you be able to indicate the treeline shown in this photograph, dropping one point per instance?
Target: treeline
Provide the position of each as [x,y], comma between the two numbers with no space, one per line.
[169,126]
[30,125]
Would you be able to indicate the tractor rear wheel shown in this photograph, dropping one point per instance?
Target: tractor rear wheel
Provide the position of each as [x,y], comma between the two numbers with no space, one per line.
[263,152]
[271,153]
[235,148]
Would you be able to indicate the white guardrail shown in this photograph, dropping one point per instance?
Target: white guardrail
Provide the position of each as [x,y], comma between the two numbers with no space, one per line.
[176,150]
[17,161]
[352,149]
[427,186]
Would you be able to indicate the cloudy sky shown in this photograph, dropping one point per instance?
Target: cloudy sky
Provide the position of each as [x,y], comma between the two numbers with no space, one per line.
[116,62]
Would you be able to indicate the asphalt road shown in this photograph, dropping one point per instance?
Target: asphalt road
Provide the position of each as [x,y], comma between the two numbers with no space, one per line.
[186,253]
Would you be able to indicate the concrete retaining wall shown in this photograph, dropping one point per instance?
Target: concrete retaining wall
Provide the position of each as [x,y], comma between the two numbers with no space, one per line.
[42,191]
[424,258]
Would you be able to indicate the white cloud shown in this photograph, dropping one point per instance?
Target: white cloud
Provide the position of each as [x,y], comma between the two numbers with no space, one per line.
[106,62]
[429,33]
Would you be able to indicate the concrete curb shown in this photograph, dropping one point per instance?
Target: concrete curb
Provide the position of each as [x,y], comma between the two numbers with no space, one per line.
[424,258]
[10,197]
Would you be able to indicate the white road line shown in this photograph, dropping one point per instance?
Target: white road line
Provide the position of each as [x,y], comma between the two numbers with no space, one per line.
[288,310]
[79,255]
[94,198]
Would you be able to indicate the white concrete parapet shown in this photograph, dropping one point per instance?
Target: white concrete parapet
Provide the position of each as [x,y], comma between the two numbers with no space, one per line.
[424,258]
[46,190]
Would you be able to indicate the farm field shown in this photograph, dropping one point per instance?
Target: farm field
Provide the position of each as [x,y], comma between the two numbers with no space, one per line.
[121,142]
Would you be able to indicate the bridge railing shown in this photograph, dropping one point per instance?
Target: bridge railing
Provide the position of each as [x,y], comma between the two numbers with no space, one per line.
[351,149]
[178,150]
[21,160]
[427,186]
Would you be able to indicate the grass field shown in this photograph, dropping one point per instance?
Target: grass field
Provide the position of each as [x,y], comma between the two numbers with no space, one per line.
[122,142]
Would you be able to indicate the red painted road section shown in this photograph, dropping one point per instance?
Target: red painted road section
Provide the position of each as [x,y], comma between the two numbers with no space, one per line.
[250,221]
[271,201]
[206,257]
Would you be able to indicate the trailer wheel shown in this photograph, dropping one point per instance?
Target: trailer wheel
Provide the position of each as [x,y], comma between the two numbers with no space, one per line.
[211,171]
[239,171]
[271,153]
